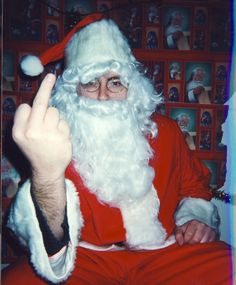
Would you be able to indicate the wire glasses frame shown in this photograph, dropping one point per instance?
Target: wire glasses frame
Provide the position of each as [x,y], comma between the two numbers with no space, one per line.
[113,85]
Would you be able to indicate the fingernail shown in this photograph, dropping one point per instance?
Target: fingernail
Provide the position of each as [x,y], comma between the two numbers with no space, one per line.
[50,77]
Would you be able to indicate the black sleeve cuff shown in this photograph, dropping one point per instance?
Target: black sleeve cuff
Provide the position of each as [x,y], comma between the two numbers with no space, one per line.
[51,243]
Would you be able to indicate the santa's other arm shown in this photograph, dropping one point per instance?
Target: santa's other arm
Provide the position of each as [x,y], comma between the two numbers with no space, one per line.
[196,217]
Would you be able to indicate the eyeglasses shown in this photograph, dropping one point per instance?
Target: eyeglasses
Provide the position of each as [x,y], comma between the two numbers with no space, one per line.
[113,85]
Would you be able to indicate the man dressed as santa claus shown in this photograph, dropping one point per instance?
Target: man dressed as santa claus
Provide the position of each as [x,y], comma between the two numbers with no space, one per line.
[115,196]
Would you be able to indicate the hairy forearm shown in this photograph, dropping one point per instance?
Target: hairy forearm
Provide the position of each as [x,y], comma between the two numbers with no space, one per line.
[50,195]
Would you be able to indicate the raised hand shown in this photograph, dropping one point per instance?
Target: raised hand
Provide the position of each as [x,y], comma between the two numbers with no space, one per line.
[45,140]
[42,136]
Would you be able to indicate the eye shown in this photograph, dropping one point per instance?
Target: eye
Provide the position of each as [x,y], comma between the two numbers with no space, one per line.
[91,86]
[115,82]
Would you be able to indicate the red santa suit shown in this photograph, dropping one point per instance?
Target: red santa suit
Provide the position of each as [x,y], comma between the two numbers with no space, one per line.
[105,245]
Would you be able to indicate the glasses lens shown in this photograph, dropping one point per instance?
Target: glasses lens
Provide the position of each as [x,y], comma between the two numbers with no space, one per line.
[114,85]
[91,86]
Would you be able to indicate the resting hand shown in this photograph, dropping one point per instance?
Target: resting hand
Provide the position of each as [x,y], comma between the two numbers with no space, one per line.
[194,232]
[198,90]
[42,136]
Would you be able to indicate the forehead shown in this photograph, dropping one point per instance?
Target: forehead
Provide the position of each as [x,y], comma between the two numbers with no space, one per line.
[109,74]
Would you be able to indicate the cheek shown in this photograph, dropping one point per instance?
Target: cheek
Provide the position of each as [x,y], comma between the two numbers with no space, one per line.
[124,95]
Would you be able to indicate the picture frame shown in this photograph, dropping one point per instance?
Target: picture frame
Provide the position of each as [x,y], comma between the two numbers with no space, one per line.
[199,40]
[205,140]
[220,94]
[212,165]
[53,7]
[206,118]
[186,118]
[200,18]
[104,7]
[152,14]
[198,82]
[25,22]
[8,71]
[174,92]
[221,71]
[177,29]
[156,71]
[152,38]
[52,34]
[75,11]
[174,70]
[9,105]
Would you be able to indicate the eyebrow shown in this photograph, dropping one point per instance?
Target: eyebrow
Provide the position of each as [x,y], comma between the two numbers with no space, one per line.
[113,77]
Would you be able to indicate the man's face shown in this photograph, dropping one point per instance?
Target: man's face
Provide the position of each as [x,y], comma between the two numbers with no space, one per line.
[199,75]
[107,87]
[177,19]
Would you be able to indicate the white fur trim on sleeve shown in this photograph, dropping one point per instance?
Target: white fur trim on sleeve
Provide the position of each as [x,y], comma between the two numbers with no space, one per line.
[23,221]
[197,209]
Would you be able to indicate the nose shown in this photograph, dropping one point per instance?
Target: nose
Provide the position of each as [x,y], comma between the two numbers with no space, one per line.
[102,91]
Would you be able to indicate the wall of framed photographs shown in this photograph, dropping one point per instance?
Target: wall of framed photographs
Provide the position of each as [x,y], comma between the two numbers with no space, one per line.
[184,47]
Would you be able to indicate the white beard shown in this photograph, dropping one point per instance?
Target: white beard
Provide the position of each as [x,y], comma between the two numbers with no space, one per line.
[110,152]
[194,84]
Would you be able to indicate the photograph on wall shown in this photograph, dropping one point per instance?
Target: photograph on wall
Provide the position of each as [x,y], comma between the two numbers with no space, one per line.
[206,117]
[177,27]
[25,20]
[129,20]
[155,71]
[152,14]
[213,167]
[205,140]
[8,72]
[52,32]
[221,71]
[199,40]
[25,84]
[198,83]
[152,40]
[220,94]
[53,8]
[174,70]
[173,92]
[186,118]
[220,33]
[9,105]
[75,10]
[200,16]
[104,7]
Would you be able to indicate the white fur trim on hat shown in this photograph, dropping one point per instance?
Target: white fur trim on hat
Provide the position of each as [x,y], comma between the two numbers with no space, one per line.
[31,65]
[98,42]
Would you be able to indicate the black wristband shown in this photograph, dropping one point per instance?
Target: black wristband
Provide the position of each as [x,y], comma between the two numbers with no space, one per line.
[51,243]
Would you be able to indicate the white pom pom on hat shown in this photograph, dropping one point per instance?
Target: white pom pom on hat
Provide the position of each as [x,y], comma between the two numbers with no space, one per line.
[32,65]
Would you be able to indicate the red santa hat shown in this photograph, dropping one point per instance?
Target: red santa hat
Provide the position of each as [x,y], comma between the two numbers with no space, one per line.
[32,65]
[93,41]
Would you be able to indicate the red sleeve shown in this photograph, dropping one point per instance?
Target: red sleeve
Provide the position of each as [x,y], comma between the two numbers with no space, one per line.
[178,170]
